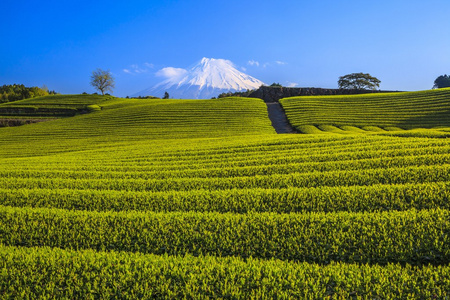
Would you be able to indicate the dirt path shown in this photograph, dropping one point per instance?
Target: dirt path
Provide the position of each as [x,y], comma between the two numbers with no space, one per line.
[278,118]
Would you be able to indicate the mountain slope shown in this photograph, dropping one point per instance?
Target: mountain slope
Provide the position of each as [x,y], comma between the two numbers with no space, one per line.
[206,79]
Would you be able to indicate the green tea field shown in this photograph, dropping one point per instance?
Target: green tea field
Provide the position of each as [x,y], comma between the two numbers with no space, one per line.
[198,199]
[370,112]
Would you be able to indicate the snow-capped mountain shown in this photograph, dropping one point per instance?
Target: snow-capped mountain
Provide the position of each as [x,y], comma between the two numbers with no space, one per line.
[205,80]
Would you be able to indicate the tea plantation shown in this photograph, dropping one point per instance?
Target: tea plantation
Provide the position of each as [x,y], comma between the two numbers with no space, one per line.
[369,112]
[202,199]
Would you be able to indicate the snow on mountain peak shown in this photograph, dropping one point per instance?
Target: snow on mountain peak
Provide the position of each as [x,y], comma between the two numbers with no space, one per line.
[208,78]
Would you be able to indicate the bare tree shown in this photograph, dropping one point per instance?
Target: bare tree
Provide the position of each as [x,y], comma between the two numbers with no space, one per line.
[102,80]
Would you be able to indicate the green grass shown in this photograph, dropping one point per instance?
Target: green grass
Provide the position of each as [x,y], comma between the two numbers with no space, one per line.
[201,198]
[371,112]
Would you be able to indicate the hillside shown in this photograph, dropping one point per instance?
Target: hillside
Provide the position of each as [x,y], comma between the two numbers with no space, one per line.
[43,104]
[121,120]
[46,108]
[369,112]
[201,199]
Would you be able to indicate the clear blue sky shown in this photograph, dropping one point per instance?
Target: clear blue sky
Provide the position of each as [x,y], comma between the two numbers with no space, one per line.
[406,44]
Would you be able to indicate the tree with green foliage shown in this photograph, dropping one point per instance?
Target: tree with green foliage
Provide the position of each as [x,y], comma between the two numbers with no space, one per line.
[442,81]
[14,92]
[276,85]
[102,80]
[166,95]
[235,94]
[358,81]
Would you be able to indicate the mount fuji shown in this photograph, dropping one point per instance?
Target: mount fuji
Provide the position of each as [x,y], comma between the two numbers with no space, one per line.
[206,79]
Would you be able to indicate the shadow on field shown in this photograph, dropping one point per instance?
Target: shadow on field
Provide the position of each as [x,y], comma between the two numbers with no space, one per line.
[433,119]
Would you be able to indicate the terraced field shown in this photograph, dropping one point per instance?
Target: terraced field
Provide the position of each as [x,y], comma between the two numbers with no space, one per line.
[201,199]
[369,112]
[119,121]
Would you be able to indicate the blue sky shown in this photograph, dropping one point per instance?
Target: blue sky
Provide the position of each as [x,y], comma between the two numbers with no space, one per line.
[406,44]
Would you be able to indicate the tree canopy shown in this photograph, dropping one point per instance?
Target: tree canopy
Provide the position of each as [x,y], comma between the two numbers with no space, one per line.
[442,81]
[236,94]
[14,92]
[102,80]
[359,81]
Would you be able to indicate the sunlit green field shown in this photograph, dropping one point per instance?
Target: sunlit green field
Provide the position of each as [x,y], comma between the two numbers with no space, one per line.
[202,199]
[391,112]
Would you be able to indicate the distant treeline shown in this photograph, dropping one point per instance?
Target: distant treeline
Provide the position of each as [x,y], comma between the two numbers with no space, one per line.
[143,97]
[235,94]
[243,94]
[14,92]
